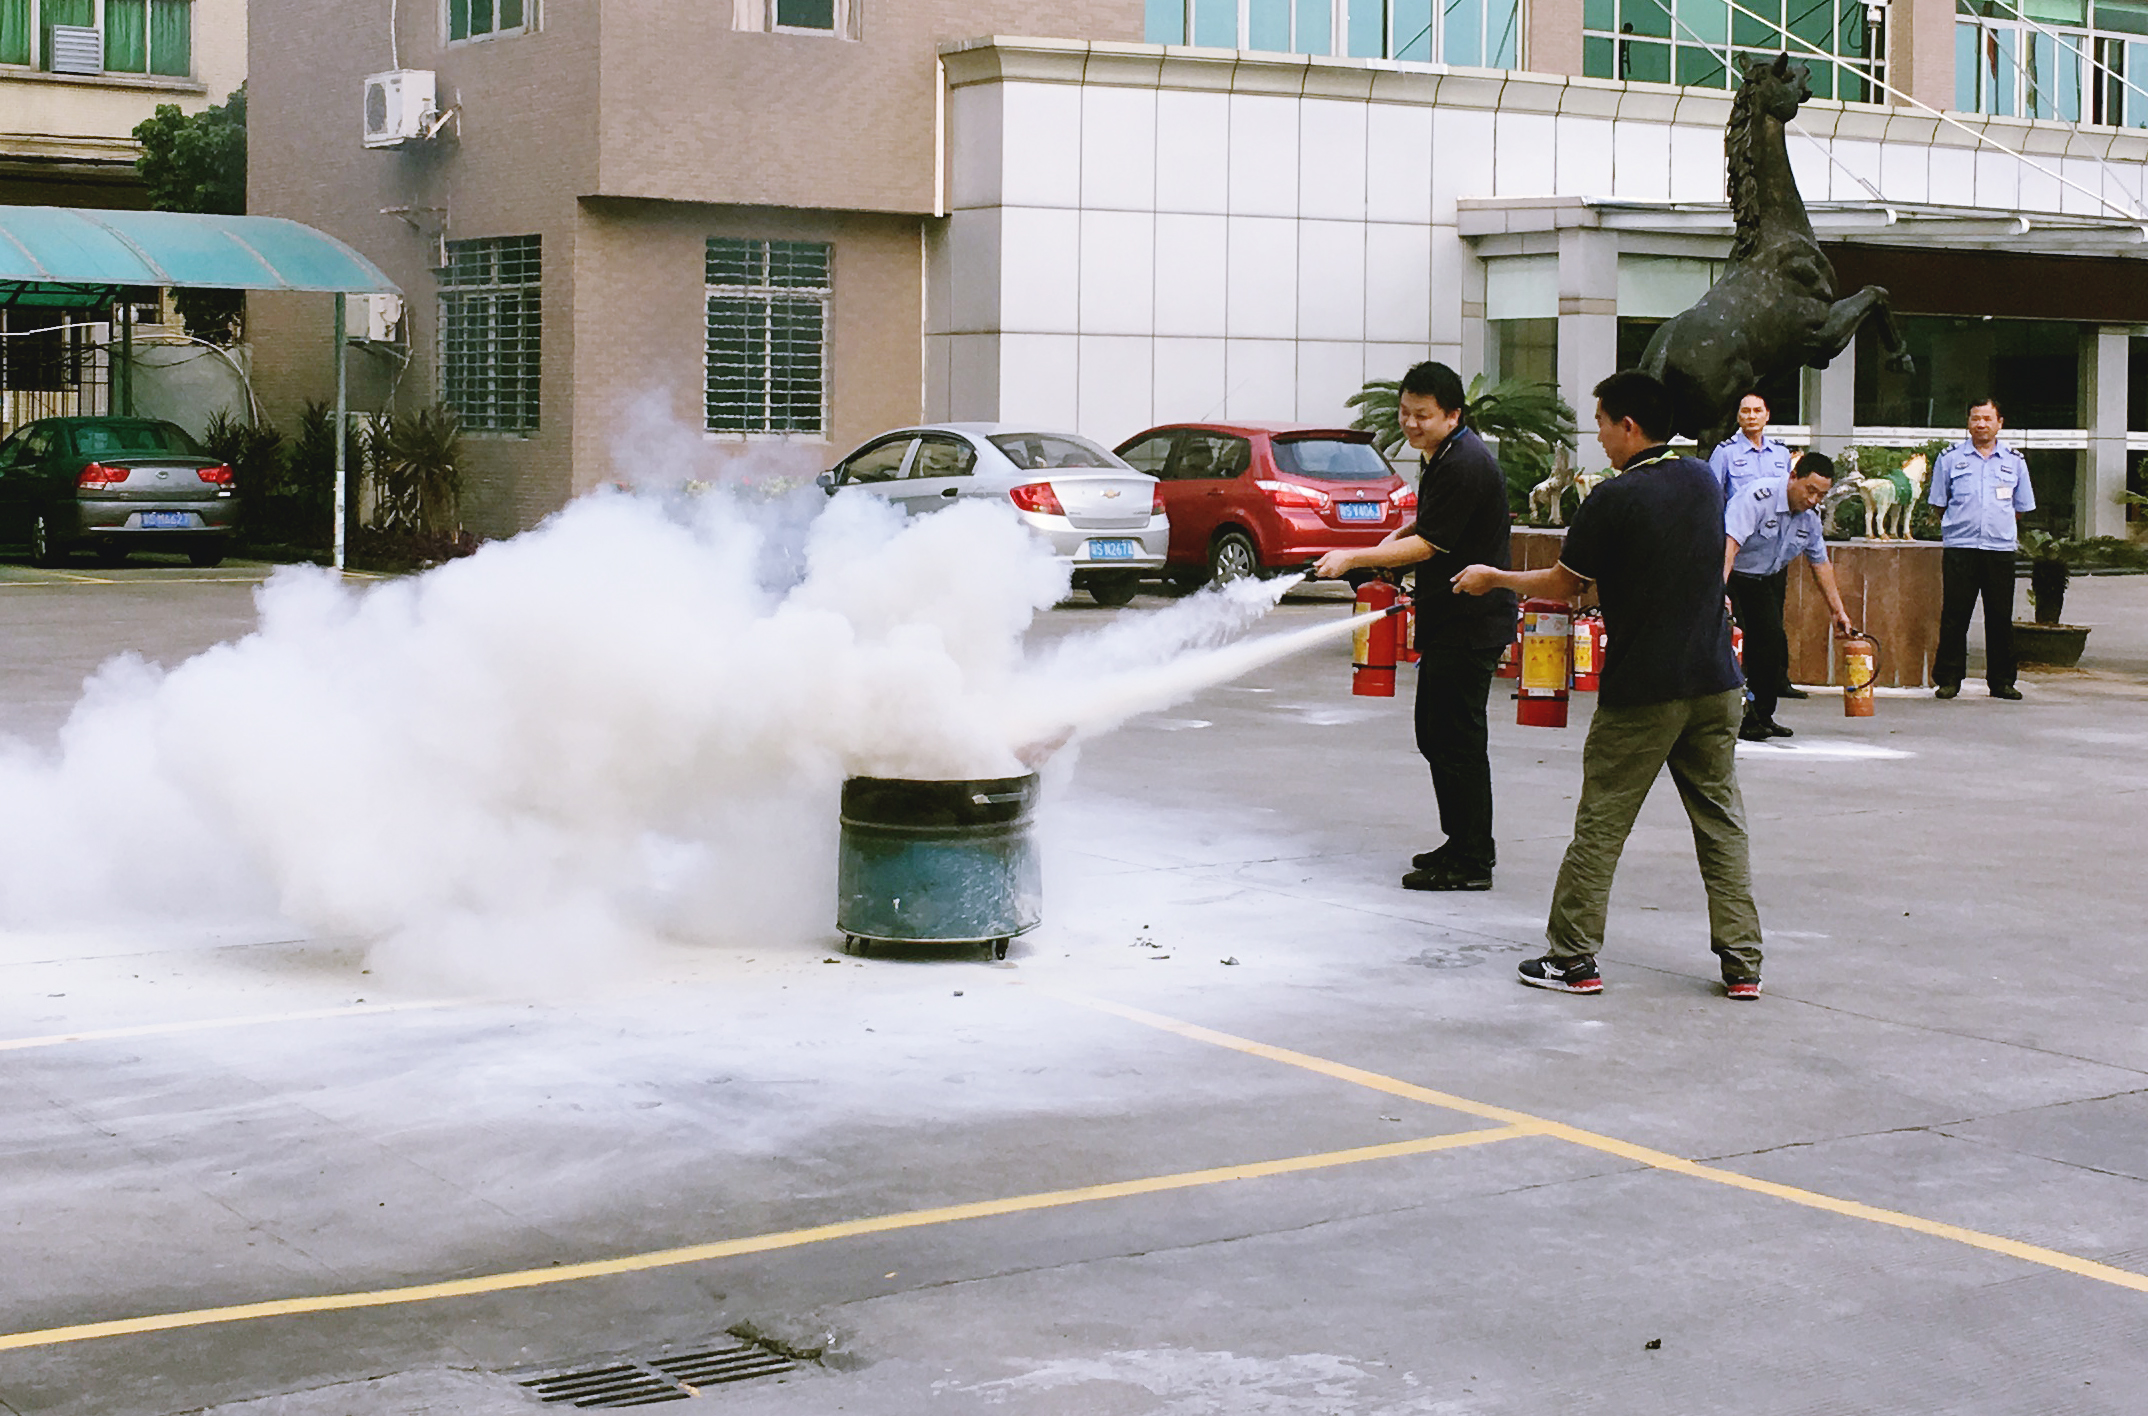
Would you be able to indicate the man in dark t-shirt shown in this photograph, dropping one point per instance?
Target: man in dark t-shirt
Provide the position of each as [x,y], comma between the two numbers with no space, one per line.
[1461,521]
[1651,541]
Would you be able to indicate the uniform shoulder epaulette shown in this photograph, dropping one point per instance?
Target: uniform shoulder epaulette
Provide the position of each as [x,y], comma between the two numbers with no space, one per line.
[1764,492]
[1726,442]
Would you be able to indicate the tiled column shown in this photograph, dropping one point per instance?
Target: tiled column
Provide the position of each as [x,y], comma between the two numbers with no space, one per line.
[1588,316]
[1552,42]
[1920,50]
[2104,400]
[1831,403]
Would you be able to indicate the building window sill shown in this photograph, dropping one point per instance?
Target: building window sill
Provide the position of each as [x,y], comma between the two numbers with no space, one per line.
[154,83]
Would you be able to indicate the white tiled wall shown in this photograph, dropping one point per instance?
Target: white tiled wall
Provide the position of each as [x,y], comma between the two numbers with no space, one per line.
[1120,256]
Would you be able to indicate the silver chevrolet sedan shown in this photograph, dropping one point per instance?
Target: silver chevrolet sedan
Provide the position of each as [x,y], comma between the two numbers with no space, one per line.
[1101,516]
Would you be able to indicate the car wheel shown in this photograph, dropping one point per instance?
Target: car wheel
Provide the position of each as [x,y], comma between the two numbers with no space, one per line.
[1232,557]
[44,551]
[1115,589]
[205,557]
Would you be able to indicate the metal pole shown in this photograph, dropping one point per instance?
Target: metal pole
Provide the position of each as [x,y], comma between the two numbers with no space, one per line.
[126,356]
[342,472]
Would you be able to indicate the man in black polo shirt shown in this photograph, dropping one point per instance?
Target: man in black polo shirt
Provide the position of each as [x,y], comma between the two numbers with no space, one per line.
[1461,520]
[1651,539]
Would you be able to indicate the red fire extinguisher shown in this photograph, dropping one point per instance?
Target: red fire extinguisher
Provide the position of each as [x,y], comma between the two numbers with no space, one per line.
[1588,650]
[1737,646]
[1406,631]
[1378,640]
[1547,663]
[1860,670]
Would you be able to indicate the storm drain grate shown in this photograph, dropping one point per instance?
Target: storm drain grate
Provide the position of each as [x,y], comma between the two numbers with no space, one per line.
[645,1381]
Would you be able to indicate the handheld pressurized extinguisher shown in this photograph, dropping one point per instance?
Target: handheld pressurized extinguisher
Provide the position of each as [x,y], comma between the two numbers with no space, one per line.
[1378,642]
[1860,670]
[1588,650]
[1547,663]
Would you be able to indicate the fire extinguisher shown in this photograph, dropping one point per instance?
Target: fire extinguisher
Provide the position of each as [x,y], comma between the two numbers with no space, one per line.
[1588,650]
[1406,629]
[1378,639]
[1860,670]
[1737,646]
[1547,663]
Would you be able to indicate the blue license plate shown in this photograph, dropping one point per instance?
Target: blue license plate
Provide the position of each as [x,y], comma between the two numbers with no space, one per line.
[1361,511]
[1117,550]
[166,520]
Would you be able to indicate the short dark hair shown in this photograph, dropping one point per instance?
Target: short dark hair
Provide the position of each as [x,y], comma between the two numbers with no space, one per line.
[1756,393]
[1629,393]
[1436,381]
[1976,403]
[1814,464]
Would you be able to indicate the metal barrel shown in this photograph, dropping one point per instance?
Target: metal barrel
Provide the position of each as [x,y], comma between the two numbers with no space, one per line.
[938,861]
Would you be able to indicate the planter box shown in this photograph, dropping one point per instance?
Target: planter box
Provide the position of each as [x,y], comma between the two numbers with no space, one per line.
[2056,646]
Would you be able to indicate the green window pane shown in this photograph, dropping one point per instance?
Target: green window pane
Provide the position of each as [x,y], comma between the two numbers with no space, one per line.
[1814,22]
[1461,33]
[2055,12]
[1215,23]
[1368,29]
[1965,37]
[806,14]
[1164,22]
[510,14]
[1647,63]
[1645,17]
[458,19]
[126,36]
[1316,27]
[796,334]
[171,37]
[1268,25]
[1758,34]
[798,265]
[1413,32]
[733,262]
[1999,68]
[2124,16]
[1598,58]
[1701,68]
[1704,22]
[1502,34]
[14,31]
[2136,105]
[1823,76]
[480,17]
[737,366]
[1598,14]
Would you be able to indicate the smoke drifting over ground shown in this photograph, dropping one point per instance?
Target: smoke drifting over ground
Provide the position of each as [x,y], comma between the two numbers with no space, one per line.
[628,725]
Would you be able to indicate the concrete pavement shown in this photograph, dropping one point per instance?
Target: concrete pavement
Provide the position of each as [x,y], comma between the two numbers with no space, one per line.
[1910,1179]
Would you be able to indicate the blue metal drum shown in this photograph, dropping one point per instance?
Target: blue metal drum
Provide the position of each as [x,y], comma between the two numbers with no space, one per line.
[938,862]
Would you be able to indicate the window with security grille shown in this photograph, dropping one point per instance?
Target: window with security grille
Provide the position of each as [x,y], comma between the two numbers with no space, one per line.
[490,320]
[768,305]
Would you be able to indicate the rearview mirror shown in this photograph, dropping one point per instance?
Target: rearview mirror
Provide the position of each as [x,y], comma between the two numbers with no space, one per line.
[829,480]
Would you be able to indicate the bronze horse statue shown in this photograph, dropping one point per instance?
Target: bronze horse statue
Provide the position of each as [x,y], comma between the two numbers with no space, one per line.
[1775,307]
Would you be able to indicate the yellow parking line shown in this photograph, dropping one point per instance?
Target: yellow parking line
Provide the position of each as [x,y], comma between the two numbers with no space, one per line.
[754,1244]
[1626,1150]
[17,1044]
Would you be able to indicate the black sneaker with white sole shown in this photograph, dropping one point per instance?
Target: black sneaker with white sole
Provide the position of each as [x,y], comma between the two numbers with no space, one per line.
[1579,976]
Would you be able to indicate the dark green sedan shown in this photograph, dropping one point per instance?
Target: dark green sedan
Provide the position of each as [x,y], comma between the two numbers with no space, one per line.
[113,485]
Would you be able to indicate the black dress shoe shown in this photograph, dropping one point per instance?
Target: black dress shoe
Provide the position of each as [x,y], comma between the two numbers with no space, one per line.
[1438,858]
[1776,730]
[1791,690]
[2008,692]
[1947,690]
[1754,730]
[1449,877]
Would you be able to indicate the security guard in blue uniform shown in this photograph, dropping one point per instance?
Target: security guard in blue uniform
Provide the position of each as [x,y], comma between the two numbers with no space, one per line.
[1765,527]
[1744,460]
[1982,487]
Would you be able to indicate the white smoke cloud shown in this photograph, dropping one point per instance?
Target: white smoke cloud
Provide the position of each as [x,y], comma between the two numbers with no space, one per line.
[629,724]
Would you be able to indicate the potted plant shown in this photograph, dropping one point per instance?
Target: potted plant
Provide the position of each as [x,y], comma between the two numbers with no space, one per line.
[2046,640]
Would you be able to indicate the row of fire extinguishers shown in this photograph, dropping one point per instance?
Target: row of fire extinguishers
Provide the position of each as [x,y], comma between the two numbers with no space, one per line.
[1555,654]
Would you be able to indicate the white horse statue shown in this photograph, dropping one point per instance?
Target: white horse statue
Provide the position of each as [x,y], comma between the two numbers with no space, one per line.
[1545,497]
[1891,498]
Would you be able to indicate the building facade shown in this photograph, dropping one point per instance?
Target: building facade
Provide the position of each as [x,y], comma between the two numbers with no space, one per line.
[803,221]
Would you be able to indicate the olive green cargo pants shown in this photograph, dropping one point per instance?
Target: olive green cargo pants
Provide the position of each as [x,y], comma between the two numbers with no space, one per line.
[1697,739]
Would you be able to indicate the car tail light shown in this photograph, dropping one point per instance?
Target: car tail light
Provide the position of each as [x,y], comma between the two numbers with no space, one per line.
[1156,506]
[1404,499]
[99,475]
[220,476]
[1291,494]
[1038,497]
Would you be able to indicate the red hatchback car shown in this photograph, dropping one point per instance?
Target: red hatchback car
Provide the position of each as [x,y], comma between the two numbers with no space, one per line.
[1244,498]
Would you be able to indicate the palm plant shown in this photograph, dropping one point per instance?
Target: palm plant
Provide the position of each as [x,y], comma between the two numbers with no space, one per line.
[417,464]
[1528,420]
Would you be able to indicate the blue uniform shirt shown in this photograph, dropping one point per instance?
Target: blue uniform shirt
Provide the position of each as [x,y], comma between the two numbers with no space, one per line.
[1737,464]
[1981,496]
[1769,534]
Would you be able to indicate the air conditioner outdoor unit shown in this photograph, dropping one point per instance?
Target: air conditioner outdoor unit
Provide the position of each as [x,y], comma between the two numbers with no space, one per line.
[77,49]
[374,318]
[398,105]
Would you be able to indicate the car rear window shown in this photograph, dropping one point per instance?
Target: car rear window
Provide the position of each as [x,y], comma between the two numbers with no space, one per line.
[1332,459]
[95,438]
[1044,451]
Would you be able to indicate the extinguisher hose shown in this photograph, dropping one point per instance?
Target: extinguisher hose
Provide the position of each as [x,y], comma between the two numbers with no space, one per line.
[1872,677]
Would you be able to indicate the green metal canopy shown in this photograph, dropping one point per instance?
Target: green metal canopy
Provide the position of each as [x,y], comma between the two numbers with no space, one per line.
[72,257]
